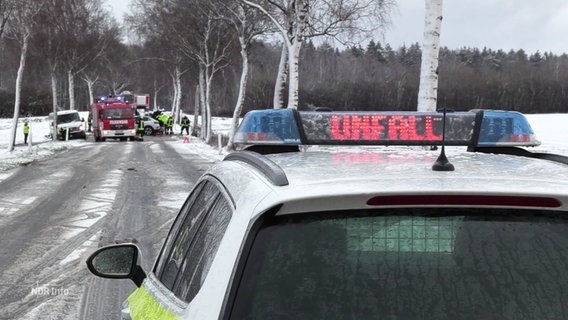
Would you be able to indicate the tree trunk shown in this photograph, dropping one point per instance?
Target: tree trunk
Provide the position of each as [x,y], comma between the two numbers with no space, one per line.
[242,92]
[207,122]
[177,100]
[71,82]
[90,84]
[202,100]
[55,102]
[293,76]
[196,106]
[294,54]
[281,78]
[428,90]
[18,93]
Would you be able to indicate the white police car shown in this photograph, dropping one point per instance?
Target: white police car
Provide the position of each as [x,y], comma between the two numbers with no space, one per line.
[383,232]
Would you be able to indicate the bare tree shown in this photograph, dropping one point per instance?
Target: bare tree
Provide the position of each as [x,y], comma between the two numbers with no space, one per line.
[428,90]
[88,32]
[298,19]
[196,32]
[21,28]
[248,23]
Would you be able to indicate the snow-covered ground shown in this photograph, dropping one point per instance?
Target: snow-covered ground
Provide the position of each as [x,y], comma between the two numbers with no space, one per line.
[550,129]
[43,147]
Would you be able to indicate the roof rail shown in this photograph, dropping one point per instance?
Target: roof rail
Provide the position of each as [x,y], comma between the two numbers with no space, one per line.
[515,151]
[270,169]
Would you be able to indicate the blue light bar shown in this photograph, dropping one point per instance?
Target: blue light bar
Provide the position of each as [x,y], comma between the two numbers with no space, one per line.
[505,128]
[269,127]
[483,128]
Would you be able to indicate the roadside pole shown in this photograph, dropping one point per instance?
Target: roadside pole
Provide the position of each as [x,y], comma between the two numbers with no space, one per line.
[30,143]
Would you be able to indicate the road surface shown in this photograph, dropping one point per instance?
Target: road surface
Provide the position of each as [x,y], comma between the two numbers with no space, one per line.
[54,212]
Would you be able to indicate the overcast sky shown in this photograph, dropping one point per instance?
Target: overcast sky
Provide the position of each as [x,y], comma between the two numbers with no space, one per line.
[530,25]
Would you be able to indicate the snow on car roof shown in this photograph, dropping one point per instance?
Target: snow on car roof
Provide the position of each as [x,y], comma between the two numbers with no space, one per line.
[411,169]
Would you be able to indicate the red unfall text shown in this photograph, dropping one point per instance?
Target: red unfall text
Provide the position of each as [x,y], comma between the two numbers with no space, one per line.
[383,127]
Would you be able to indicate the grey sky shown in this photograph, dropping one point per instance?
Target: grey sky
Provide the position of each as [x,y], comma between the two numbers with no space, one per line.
[530,25]
[496,24]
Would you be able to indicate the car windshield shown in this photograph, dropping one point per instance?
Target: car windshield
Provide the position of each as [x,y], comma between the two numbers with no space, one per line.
[66,118]
[408,264]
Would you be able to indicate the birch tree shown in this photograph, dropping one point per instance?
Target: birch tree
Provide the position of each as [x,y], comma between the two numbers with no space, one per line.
[22,24]
[296,20]
[248,23]
[428,89]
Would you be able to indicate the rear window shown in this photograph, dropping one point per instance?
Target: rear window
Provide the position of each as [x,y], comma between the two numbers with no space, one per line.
[408,264]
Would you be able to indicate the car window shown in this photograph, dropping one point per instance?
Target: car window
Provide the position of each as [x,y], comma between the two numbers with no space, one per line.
[416,263]
[193,241]
[183,231]
[199,257]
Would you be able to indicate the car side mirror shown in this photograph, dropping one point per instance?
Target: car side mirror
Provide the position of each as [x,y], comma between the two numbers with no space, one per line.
[82,119]
[121,261]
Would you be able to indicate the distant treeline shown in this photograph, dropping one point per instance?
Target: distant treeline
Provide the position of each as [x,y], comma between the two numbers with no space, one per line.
[375,77]
[380,78]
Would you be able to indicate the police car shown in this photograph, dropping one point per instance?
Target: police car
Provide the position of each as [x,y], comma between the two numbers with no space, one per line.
[294,226]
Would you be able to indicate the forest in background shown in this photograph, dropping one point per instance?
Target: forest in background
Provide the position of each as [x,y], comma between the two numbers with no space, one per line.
[375,77]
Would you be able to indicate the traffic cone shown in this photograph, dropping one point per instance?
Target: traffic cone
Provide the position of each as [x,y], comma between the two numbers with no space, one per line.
[185,140]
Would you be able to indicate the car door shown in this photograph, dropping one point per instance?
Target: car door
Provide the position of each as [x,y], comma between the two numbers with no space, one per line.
[188,251]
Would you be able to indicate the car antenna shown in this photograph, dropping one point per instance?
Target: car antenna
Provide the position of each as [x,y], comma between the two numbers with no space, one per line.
[442,163]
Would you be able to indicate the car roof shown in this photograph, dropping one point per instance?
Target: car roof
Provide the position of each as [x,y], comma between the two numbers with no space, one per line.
[66,112]
[309,161]
[322,179]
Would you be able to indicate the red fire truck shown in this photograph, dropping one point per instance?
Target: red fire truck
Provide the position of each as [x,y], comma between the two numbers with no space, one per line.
[113,118]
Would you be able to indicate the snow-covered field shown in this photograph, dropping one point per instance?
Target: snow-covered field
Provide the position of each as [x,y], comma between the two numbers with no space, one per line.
[43,147]
[550,129]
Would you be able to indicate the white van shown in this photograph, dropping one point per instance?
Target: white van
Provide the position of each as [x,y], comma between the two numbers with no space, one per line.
[69,125]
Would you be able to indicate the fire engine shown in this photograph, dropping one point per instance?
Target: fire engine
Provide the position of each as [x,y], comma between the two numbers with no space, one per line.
[113,117]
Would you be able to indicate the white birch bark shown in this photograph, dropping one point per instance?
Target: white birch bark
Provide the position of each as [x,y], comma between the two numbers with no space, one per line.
[202,100]
[294,54]
[54,101]
[428,89]
[207,122]
[242,90]
[281,78]
[177,100]
[196,111]
[175,94]
[71,83]
[90,86]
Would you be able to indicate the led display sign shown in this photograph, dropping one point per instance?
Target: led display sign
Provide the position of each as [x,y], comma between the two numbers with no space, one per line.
[404,128]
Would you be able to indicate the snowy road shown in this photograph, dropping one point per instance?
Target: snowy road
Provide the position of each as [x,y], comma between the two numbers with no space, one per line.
[54,212]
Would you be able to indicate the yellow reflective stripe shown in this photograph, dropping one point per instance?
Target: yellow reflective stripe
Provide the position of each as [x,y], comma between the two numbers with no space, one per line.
[143,306]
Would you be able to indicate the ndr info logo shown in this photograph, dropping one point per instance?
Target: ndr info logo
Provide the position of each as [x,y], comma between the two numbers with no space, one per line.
[48,291]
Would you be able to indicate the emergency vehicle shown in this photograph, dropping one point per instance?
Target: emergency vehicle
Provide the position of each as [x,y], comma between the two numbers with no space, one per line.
[114,118]
[353,215]
[141,101]
[70,125]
